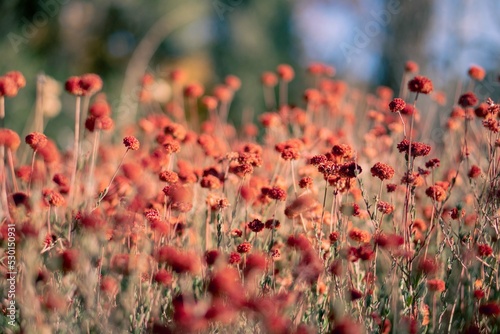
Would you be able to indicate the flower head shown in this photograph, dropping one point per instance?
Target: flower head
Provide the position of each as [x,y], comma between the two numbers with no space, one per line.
[397,104]
[131,143]
[467,99]
[476,72]
[382,171]
[36,140]
[420,84]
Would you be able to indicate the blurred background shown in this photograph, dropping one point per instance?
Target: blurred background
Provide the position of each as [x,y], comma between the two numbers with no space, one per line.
[367,41]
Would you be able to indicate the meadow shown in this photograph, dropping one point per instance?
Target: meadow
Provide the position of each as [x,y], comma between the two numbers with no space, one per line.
[331,216]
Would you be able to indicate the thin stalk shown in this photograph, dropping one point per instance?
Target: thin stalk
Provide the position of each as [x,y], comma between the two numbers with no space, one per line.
[32,171]
[90,177]
[76,149]
[283,93]
[11,167]
[319,228]
[105,191]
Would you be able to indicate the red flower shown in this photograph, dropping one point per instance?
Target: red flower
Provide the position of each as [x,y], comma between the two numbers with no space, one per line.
[256,225]
[285,72]
[131,143]
[194,90]
[468,99]
[411,67]
[397,105]
[275,193]
[8,87]
[91,83]
[385,208]
[420,84]
[484,250]
[359,235]
[36,140]
[269,79]
[491,309]
[244,247]
[382,171]
[436,285]
[477,72]
[474,172]
[17,77]
[428,266]
[73,86]
[436,192]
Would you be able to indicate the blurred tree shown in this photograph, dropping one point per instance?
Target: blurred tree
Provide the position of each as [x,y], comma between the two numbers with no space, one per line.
[252,37]
[406,35]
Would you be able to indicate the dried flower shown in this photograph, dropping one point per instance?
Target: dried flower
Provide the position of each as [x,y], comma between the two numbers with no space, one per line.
[420,84]
[17,77]
[306,182]
[411,67]
[359,235]
[169,176]
[256,225]
[491,309]
[382,171]
[8,87]
[269,79]
[385,208]
[91,83]
[436,285]
[244,247]
[436,192]
[484,250]
[275,193]
[131,143]
[476,72]
[474,172]
[468,99]
[194,90]
[397,105]
[36,140]
[285,72]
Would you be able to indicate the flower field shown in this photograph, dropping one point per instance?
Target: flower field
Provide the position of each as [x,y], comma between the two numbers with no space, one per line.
[331,216]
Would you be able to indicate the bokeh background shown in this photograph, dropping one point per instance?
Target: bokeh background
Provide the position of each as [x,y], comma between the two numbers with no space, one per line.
[367,41]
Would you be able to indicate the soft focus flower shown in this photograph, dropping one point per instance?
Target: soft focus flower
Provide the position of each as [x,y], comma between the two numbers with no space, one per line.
[420,84]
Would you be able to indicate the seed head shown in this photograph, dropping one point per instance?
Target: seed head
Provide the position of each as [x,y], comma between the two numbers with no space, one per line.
[484,250]
[476,72]
[233,82]
[73,86]
[382,171]
[420,84]
[8,87]
[91,83]
[285,72]
[131,143]
[194,90]
[36,140]
[474,172]
[397,104]
[359,235]
[256,225]
[275,193]
[10,139]
[269,79]
[17,77]
[385,208]
[244,247]
[436,192]
[411,67]
[436,285]
[468,99]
